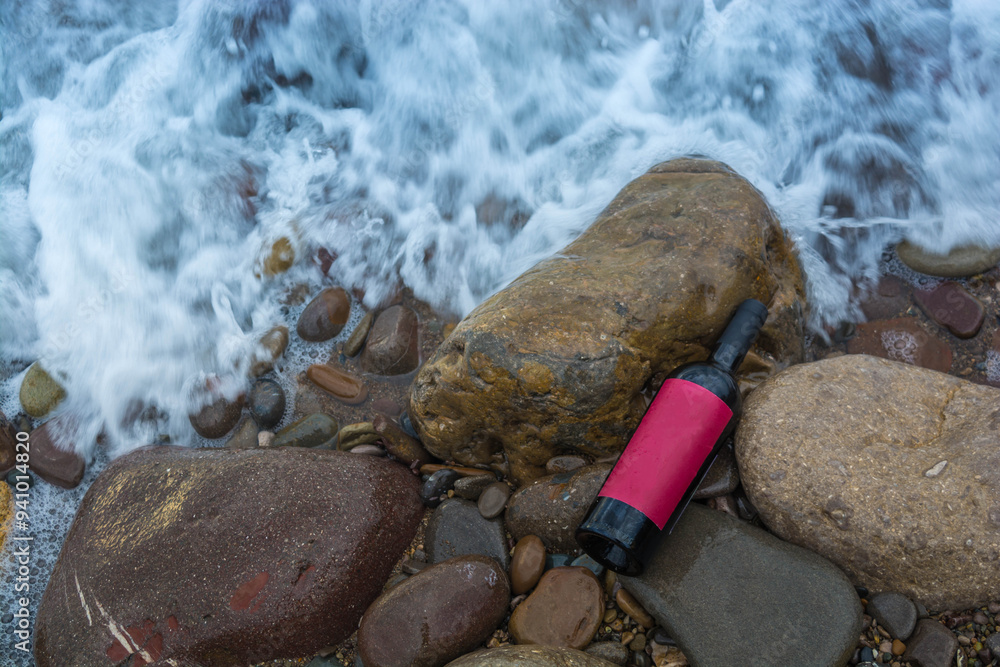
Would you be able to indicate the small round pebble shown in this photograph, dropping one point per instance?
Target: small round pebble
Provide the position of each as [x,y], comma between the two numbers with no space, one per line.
[527,564]
[493,500]
[267,403]
[437,485]
[638,643]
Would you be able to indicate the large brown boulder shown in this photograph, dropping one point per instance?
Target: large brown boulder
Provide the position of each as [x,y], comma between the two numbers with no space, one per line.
[558,360]
[221,557]
[889,470]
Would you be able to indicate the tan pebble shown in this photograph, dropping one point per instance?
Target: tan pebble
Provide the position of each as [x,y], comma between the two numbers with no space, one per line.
[610,578]
[627,637]
[610,615]
[898,647]
[885,647]
[638,643]
[265,439]
[632,607]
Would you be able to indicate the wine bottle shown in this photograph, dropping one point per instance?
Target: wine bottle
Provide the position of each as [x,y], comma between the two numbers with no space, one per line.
[692,415]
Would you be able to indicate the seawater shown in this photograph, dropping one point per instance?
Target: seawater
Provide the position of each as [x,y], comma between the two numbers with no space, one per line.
[150,153]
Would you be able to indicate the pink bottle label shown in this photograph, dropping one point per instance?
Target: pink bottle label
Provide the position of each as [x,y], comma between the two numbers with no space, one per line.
[666,452]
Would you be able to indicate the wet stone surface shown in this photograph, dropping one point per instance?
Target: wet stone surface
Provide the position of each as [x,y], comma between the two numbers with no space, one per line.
[456,528]
[565,610]
[553,506]
[895,612]
[267,403]
[950,305]
[317,430]
[325,316]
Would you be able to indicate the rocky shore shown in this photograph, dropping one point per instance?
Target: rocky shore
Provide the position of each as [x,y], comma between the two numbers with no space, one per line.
[416,505]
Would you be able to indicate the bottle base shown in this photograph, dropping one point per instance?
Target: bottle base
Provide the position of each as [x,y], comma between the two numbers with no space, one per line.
[609,553]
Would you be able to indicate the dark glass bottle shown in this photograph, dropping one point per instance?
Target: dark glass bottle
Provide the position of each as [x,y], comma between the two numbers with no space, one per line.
[692,415]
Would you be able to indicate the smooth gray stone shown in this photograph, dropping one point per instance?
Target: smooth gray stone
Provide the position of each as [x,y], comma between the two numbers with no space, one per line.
[894,612]
[931,645]
[775,603]
[456,528]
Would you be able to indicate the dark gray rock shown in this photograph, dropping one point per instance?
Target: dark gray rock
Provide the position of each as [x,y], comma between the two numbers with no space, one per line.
[456,528]
[493,500]
[894,612]
[931,645]
[438,484]
[472,486]
[552,507]
[993,643]
[267,403]
[777,604]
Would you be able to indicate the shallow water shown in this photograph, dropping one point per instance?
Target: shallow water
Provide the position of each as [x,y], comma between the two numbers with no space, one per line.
[149,152]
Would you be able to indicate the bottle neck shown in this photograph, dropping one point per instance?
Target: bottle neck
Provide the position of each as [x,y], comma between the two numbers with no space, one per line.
[735,341]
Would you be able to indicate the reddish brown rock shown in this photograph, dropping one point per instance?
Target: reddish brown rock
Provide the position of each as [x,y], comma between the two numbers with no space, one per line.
[325,316]
[217,418]
[889,298]
[393,346]
[552,507]
[565,610]
[559,359]
[52,456]
[439,614]
[527,564]
[950,305]
[903,340]
[340,384]
[224,557]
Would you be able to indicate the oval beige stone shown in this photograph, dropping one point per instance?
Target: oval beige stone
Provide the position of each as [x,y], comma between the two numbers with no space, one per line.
[565,610]
[890,471]
[557,361]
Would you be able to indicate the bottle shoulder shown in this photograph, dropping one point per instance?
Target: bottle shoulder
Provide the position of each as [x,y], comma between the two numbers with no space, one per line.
[713,378]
